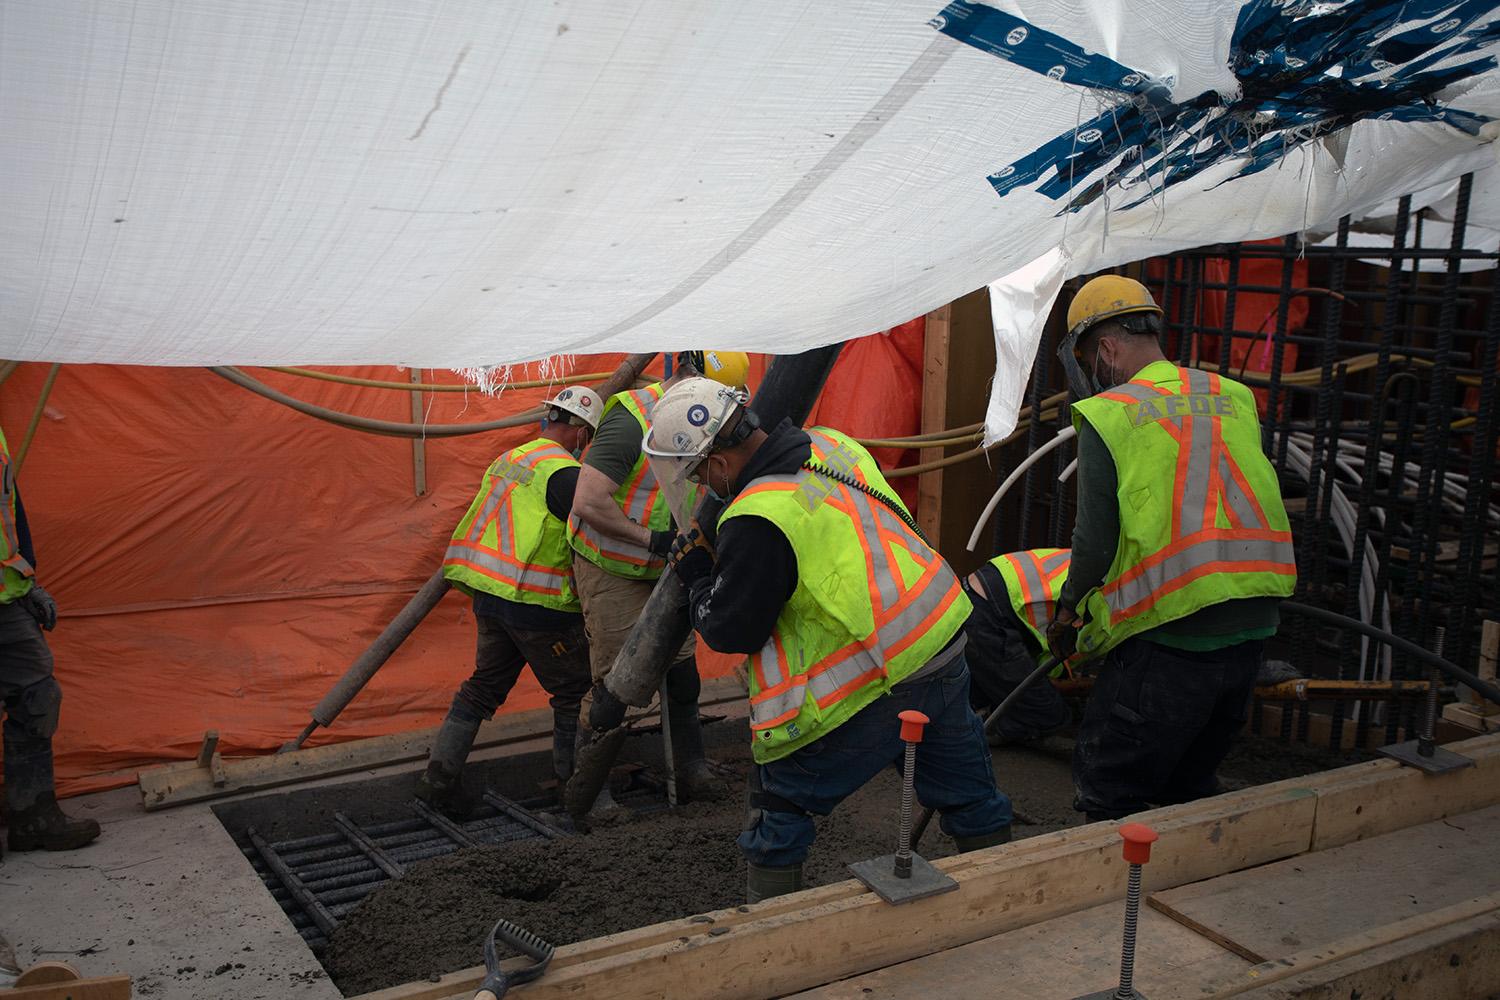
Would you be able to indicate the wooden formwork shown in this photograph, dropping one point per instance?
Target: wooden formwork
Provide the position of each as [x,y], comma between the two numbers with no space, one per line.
[798,942]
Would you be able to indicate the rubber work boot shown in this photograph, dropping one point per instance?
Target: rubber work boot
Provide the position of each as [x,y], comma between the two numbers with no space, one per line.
[564,743]
[998,837]
[763,883]
[441,784]
[696,780]
[605,809]
[45,827]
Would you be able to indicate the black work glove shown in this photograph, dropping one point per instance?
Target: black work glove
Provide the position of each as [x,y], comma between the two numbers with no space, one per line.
[1062,635]
[40,605]
[661,542]
[692,555]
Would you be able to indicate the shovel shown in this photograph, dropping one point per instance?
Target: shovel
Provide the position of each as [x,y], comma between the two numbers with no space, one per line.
[496,980]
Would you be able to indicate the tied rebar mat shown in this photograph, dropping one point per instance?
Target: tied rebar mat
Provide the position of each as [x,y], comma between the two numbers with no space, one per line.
[319,879]
[1373,361]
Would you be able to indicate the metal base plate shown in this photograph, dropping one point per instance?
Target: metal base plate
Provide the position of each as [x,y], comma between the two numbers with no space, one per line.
[1441,761]
[1109,994]
[879,876]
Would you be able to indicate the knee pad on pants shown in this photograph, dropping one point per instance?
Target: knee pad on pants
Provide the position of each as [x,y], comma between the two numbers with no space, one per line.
[35,708]
[683,683]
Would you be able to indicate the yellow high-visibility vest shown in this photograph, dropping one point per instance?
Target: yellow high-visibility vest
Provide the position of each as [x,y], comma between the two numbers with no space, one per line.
[17,572]
[508,543]
[638,496]
[1201,517]
[873,602]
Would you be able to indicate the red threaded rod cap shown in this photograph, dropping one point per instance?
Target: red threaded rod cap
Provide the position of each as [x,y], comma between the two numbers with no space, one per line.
[912,722]
[1138,839]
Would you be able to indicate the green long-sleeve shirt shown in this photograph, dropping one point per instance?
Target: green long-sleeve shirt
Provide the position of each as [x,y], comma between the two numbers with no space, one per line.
[1096,536]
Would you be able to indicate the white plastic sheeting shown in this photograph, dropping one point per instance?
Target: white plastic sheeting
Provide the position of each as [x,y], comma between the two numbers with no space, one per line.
[470,183]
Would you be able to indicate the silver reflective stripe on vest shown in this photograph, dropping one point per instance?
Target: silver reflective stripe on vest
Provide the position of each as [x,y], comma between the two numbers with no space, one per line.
[537,576]
[1225,552]
[1234,498]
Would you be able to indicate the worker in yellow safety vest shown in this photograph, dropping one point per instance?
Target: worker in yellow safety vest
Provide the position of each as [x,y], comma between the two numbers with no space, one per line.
[1014,597]
[819,574]
[620,530]
[28,688]
[1181,555]
[510,554]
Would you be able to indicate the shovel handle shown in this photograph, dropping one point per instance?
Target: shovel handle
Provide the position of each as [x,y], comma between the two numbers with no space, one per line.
[485,995]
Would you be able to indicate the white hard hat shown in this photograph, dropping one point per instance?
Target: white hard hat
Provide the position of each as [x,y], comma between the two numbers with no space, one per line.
[581,401]
[685,422]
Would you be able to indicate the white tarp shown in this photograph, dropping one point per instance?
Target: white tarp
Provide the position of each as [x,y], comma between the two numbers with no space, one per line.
[468,183]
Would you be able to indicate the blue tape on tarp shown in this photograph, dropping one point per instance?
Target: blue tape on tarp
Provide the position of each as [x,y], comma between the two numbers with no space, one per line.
[1306,70]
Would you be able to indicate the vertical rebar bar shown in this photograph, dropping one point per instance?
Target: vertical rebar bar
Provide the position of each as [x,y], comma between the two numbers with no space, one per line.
[903,841]
[1427,738]
[1226,335]
[1473,536]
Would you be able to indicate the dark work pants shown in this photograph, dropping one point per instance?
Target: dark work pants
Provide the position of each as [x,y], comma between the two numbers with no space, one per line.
[1157,725]
[954,773]
[558,658]
[32,700]
[1000,658]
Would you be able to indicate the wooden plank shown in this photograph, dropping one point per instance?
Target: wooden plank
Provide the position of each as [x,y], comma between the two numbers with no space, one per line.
[1311,901]
[782,946]
[1064,957]
[1333,962]
[1466,717]
[934,418]
[97,988]
[1380,796]
[418,445]
[209,748]
[184,782]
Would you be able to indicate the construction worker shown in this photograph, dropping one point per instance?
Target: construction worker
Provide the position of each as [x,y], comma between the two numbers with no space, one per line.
[620,530]
[1013,596]
[510,554]
[819,574]
[1181,554]
[28,689]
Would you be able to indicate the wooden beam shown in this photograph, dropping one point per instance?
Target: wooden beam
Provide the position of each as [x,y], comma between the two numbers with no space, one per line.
[97,988]
[418,445]
[1481,913]
[184,782]
[936,341]
[783,945]
[813,937]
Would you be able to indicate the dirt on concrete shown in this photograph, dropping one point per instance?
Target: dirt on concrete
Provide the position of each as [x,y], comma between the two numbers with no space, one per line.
[675,864]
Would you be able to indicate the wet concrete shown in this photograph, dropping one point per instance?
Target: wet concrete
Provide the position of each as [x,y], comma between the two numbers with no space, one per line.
[676,864]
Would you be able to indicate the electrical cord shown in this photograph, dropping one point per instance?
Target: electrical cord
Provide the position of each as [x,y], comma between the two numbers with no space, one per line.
[893,506]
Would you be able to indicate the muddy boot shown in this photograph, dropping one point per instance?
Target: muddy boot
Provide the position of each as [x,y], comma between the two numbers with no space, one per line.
[45,827]
[441,785]
[763,883]
[696,780]
[1000,836]
[564,743]
[604,809]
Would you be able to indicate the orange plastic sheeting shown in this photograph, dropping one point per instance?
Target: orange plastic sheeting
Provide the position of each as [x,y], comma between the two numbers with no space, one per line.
[219,559]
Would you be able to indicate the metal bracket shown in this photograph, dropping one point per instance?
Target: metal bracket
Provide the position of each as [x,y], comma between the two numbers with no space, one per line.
[1441,762]
[879,876]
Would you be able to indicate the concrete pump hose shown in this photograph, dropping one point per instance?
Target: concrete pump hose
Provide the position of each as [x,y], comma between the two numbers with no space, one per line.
[370,425]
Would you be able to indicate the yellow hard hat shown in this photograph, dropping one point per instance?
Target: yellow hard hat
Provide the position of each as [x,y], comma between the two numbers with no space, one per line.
[729,368]
[1108,296]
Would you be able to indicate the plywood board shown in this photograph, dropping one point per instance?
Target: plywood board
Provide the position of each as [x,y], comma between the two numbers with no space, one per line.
[179,784]
[98,988]
[1310,901]
[1064,957]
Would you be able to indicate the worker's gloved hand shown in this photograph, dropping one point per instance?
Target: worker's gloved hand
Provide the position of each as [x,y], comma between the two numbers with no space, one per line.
[692,555]
[40,605]
[1062,635]
[661,542]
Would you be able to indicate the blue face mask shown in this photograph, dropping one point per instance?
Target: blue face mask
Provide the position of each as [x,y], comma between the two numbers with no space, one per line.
[707,483]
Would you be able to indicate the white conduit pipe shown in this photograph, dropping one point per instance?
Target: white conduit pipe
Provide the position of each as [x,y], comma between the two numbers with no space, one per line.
[1068,472]
[1066,434]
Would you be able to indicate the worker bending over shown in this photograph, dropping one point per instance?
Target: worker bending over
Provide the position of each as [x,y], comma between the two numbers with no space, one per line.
[510,554]
[1181,553]
[620,531]
[848,617]
[1014,596]
[28,689]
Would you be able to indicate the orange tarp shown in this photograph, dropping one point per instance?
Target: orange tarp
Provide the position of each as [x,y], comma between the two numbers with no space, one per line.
[220,559]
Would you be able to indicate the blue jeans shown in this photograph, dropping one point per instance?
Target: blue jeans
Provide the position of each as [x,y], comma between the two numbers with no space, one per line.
[954,774]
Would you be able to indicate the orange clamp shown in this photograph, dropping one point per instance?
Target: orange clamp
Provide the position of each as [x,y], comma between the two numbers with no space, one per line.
[1138,839]
[912,722]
